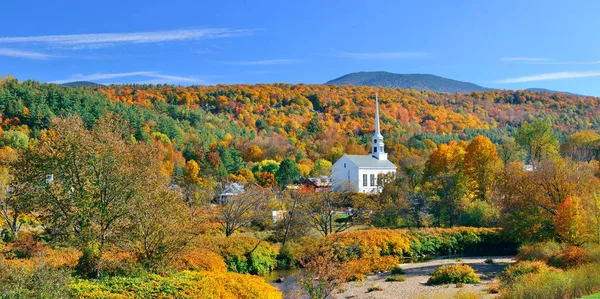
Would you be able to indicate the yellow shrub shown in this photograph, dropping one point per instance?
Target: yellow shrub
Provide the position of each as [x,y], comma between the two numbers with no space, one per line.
[200,259]
[186,284]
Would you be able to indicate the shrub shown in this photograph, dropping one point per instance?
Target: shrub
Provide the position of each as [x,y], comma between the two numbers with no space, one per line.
[120,263]
[489,261]
[243,254]
[493,288]
[572,283]
[397,271]
[25,246]
[525,267]
[540,251]
[374,289]
[453,274]
[396,278]
[186,284]
[460,285]
[38,282]
[200,259]
[569,257]
[464,294]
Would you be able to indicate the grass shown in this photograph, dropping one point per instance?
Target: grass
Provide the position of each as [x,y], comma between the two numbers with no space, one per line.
[395,278]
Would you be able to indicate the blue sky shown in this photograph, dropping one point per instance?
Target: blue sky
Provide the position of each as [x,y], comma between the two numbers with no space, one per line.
[500,44]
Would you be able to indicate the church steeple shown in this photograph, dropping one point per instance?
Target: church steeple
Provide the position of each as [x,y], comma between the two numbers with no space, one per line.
[377,145]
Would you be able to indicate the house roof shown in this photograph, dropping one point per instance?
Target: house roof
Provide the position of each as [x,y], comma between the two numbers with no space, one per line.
[320,182]
[369,161]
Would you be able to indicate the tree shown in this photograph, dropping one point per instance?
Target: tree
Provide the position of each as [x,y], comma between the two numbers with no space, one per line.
[481,165]
[88,182]
[254,154]
[569,222]
[509,151]
[287,173]
[581,146]
[443,181]
[16,171]
[332,212]
[239,210]
[160,227]
[538,140]
[531,200]
[322,167]
[14,139]
[191,172]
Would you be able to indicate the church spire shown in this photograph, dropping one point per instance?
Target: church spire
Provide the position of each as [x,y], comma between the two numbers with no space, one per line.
[377,147]
[377,132]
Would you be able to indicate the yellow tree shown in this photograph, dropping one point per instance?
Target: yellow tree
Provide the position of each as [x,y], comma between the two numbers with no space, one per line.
[443,181]
[481,165]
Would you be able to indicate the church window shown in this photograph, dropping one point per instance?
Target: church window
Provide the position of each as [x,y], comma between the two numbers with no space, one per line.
[364,180]
[372,180]
[344,165]
[375,149]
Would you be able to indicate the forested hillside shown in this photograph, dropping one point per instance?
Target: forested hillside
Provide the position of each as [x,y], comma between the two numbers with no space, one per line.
[225,127]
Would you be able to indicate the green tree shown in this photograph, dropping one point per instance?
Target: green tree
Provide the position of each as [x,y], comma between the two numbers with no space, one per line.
[89,181]
[538,140]
[14,139]
[322,167]
[287,173]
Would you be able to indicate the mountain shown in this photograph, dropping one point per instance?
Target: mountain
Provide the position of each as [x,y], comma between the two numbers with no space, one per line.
[81,84]
[550,91]
[424,82]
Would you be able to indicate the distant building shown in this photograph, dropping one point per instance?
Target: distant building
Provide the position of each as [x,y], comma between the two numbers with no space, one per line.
[360,172]
[229,191]
[317,184]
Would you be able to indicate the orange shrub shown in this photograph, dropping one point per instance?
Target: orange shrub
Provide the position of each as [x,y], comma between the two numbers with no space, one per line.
[200,259]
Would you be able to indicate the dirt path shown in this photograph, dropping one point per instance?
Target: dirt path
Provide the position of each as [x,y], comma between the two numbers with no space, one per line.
[416,277]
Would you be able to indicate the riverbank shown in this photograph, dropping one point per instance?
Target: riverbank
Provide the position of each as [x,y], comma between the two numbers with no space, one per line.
[417,275]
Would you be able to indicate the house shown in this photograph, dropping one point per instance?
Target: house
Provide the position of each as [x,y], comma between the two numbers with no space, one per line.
[359,173]
[230,191]
[317,184]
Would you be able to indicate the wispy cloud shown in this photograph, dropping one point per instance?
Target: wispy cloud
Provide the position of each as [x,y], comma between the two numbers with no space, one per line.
[157,77]
[263,62]
[548,61]
[381,55]
[24,54]
[104,39]
[550,76]
[525,59]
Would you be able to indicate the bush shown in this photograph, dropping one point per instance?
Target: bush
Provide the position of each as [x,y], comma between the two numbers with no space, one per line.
[120,263]
[374,289]
[569,257]
[39,282]
[186,284]
[243,254]
[396,278]
[525,267]
[200,259]
[397,271]
[453,274]
[464,294]
[489,261]
[539,251]
[572,283]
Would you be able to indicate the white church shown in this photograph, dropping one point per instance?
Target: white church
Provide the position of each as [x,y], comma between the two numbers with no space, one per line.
[359,172]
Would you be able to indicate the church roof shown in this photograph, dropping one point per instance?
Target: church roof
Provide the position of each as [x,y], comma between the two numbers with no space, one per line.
[369,161]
